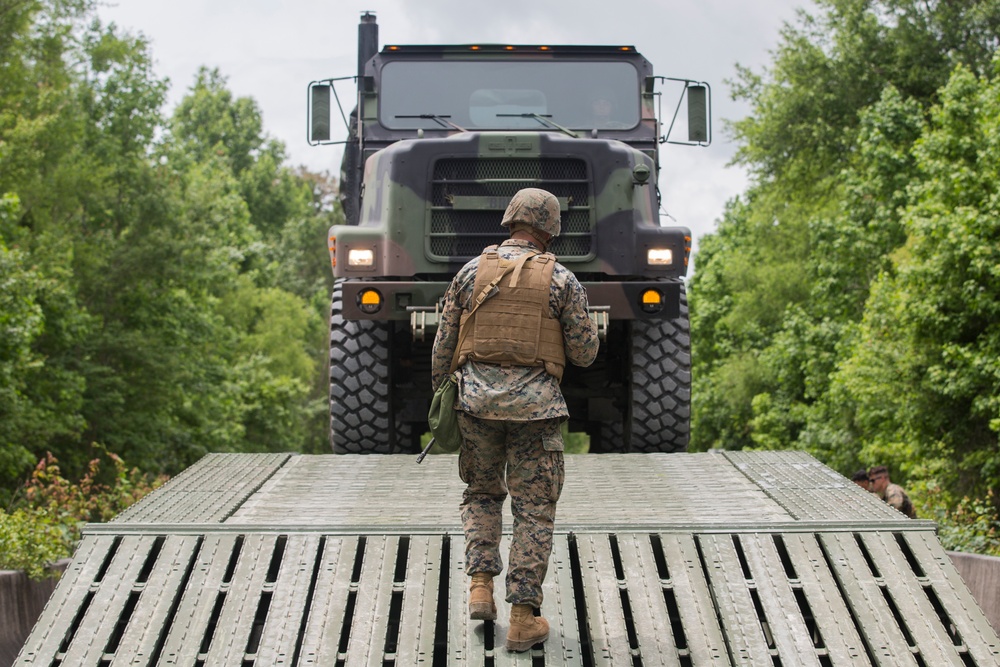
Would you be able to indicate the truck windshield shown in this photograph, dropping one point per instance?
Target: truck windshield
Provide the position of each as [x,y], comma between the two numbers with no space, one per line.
[504,95]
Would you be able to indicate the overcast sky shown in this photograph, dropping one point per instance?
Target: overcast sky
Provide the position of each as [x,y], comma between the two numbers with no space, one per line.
[271,50]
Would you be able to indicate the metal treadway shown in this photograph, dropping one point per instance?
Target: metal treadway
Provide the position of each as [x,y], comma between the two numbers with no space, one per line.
[765,558]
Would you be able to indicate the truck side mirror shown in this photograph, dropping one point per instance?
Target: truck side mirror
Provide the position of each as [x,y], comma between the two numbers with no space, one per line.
[319,112]
[697,112]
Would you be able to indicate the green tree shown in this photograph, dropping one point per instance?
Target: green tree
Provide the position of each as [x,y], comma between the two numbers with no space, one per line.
[870,199]
[781,286]
[42,134]
[165,280]
[925,374]
[276,304]
[20,325]
[290,208]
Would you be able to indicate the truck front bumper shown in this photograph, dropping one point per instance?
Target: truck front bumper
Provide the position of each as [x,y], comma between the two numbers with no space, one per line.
[397,300]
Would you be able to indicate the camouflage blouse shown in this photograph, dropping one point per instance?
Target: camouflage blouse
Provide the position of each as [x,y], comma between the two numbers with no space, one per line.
[896,497]
[516,393]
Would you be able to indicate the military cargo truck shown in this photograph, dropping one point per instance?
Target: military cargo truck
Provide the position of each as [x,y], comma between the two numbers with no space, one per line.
[439,139]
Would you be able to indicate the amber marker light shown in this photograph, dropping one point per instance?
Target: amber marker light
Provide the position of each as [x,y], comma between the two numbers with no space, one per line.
[473,48]
[333,251]
[370,301]
[393,48]
[509,48]
[544,48]
[651,300]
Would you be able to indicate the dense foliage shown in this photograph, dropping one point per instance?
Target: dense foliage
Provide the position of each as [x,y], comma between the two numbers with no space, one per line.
[51,510]
[163,281]
[164,284]
[849,302]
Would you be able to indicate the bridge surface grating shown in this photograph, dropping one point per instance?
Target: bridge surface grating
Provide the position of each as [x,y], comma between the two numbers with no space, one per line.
[301,560]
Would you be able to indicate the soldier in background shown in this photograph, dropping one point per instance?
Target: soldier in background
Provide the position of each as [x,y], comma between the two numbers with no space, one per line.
[861,479]
[893,494]
[512,317]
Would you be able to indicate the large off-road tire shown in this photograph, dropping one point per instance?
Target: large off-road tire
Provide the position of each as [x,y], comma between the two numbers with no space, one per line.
[657,406]
[361,408]
[661,384]
[608,438]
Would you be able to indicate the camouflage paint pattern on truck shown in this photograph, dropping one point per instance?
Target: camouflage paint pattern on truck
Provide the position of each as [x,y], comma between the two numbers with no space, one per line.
[440,139]
[414,224]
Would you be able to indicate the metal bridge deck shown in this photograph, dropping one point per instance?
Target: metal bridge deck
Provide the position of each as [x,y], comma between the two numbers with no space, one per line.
[763,558]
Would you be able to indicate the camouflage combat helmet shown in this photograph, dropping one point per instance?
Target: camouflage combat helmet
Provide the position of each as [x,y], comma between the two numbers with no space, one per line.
[534,207]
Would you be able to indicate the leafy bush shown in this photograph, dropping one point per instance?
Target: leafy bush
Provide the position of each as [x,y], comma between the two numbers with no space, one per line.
[91,500]
[969,525]
[51,512]
[31,541]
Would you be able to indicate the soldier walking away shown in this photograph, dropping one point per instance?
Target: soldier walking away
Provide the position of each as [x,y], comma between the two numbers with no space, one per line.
[893,494]
[512,318]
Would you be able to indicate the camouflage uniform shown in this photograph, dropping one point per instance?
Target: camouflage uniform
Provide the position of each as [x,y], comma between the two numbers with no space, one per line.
[896,497]
[526,458]
[510,419]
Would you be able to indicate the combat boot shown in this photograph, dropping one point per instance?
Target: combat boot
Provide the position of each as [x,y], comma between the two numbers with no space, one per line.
[526,629]
[481,604]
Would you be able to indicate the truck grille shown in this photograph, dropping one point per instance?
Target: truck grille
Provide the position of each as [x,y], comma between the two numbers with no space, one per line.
[459,234]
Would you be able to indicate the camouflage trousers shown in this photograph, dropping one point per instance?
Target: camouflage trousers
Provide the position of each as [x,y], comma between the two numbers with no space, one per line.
[526,460]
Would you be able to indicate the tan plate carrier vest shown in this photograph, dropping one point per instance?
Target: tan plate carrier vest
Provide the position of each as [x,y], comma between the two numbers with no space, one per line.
[509,322]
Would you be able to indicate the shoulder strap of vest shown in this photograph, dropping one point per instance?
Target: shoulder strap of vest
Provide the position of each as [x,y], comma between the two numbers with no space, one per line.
[490,264]
[516,267]
[540,259]
[482,296]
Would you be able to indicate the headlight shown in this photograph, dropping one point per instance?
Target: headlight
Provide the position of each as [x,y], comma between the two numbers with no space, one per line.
[361,257]
[659,257]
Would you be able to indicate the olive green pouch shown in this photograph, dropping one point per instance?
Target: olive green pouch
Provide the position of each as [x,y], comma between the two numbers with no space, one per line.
[443,418]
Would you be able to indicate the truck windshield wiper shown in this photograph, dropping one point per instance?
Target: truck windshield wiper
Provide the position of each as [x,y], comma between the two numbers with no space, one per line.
[543,119]
[437,118]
